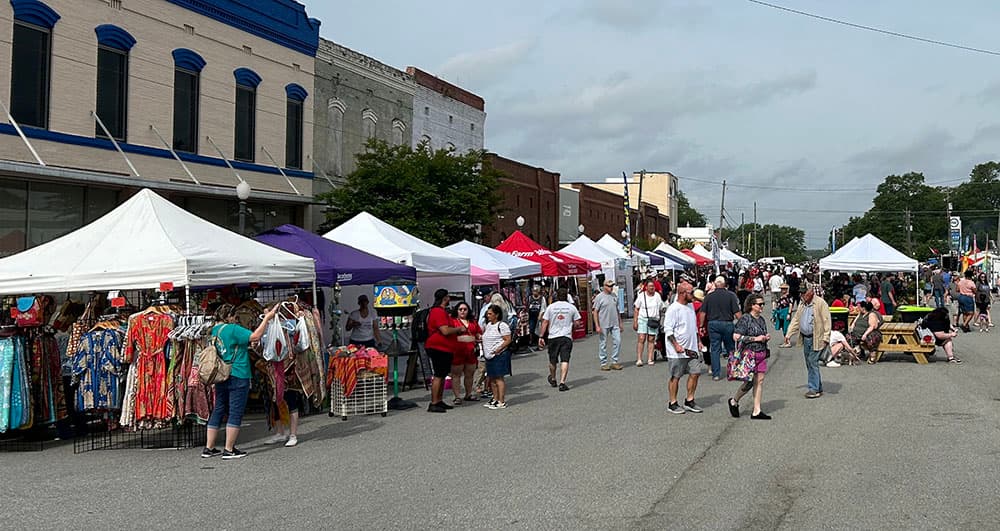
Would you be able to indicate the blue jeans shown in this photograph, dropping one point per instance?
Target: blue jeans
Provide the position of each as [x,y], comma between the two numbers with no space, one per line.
[938,298]
[720,335]
[616,344]
[813,382]
[230,400]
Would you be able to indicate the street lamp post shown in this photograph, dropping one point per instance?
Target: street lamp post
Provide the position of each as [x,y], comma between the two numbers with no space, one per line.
[520,222]
[243,193]
[579,229]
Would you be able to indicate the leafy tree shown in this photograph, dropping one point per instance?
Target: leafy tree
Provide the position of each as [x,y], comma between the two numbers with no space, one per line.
[685,243]
[687,216]
[888,215]
[772,240]
[438,196]
[978,200]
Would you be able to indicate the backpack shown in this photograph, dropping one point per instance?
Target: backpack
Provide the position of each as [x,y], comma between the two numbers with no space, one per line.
[212,369]
[420,333]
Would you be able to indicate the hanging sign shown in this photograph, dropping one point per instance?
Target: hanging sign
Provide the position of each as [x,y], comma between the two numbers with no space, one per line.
[118,302]
[166,286]
[955,232]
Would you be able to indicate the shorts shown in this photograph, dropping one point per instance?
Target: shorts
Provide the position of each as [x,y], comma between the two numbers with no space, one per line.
[643,327]
[928,288]
[761,359]
[465,357]
[294,399]
[440,362]
[499,365]
[560,349]
[966,304]
[678,367]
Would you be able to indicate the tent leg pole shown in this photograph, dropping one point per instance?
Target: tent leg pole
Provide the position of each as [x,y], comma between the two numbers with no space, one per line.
[187,299]
[315,300]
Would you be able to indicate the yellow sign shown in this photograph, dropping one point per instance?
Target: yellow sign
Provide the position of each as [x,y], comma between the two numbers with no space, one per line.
[394,296]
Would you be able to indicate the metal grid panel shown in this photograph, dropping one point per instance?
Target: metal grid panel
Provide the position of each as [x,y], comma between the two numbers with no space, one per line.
[369,397]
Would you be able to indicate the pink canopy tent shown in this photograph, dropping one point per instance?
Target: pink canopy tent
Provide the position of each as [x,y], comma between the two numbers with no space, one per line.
[482,277]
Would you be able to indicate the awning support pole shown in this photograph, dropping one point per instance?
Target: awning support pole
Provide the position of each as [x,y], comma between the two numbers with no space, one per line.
[115,143]
[21,134]
[223,157]
[174,153]
[281,171]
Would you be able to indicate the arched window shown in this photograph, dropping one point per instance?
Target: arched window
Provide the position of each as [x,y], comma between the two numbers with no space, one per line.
[368,121]
[187,79]
[398,129]
[294,118]
[449,146]
[31,54]
[426,141]
[335,110]
[113,46]
[246,114]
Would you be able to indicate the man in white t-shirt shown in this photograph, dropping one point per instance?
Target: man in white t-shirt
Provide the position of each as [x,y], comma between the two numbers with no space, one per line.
[648,305]
[683,349]
[775,283]
[557,320]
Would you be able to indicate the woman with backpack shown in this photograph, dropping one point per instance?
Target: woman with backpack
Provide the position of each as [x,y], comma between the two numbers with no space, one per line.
[232,342]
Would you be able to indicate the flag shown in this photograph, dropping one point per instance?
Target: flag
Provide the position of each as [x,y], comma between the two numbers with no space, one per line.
[628,225]
[933,250]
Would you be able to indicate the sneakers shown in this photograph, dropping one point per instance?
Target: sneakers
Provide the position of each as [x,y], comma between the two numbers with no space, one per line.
[210,452]
[497,405]
[491,404]
[235,454]
[832,364]
[276,438]
[814,394]
[436,408]
[603,368]
[675,408]
[689,405]
[563,387]
[445,406]
[760,416]
[616,366]
[292,441]
[954,360]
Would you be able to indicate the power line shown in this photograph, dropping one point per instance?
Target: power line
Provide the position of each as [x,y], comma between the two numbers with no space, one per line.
[877,30]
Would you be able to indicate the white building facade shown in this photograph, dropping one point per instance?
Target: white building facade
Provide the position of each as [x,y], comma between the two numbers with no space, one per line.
[446,116]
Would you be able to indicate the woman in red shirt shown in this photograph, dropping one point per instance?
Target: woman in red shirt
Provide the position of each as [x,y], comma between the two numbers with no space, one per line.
[441,345]
[464,361]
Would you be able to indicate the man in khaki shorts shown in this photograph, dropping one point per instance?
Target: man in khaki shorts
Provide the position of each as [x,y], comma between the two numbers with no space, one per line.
[683,349]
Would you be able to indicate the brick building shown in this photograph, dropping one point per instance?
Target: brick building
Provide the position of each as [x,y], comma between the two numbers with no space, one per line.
[446,116]
[528,192]
[602,212]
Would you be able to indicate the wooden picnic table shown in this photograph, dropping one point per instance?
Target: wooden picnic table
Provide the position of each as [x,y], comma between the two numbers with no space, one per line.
[902,337]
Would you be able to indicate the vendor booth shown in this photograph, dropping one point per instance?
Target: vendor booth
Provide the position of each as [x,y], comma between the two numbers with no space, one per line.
[669,250]
[554,264]
[869,254]
[133,351]
[505,265]
[584,247]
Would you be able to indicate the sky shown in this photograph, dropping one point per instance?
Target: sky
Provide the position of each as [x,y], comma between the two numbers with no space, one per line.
[804,117]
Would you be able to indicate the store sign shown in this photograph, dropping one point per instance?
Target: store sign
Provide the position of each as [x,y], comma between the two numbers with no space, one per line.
[955,232]
[166,286]
[118,302]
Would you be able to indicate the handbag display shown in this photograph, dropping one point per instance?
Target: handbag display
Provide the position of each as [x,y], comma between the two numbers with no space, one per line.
[212,369]
[32,311]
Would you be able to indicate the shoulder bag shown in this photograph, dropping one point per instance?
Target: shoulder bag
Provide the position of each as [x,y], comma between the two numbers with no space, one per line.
[212,369]
[652,323]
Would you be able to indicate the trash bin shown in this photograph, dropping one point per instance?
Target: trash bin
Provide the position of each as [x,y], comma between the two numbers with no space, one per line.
[911,314]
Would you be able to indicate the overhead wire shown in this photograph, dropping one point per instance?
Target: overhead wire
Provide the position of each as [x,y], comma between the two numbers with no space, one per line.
[877,30]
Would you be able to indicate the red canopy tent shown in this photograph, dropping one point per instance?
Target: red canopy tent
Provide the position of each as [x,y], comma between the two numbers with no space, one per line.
[554,264]
[698,259]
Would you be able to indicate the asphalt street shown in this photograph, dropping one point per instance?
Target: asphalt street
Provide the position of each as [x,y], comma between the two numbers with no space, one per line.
[891,446]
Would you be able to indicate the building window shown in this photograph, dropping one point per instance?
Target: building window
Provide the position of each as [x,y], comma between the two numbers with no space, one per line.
[449,146]
[427,111]
[451,119]
[293,125]
[335,120]
[426,141]
[368,121]
[246,114]
[112,89]
[398,128]
[187,79]
[113,48]
[31,45]
[472,127]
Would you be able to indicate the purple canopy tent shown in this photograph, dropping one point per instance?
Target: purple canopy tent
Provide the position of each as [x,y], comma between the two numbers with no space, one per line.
[335,262]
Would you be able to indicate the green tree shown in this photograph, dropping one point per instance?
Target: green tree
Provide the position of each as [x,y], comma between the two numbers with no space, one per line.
[977,201]
[887,219]
[687,216]
[438,196]
[772,240]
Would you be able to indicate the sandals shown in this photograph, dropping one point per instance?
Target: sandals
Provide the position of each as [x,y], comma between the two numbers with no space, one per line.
[650,362]
[457,401]
[471,398]
[638,363]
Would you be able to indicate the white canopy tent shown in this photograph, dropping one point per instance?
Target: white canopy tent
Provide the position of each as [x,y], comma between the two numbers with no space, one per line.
[728,256]
[142,243]
[665,247]
[586,248]
[868,253]
[614,246]
[506,265]
[701,251]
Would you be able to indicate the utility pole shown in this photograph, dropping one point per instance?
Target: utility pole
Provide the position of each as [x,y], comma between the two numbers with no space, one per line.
[909,228]
[743,234]
[722,207]
[638,223]
[769,242]
[755,256]
[948,223]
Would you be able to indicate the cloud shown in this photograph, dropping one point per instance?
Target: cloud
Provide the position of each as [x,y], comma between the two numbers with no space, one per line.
[637,14]
[479,69]
[987,95]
